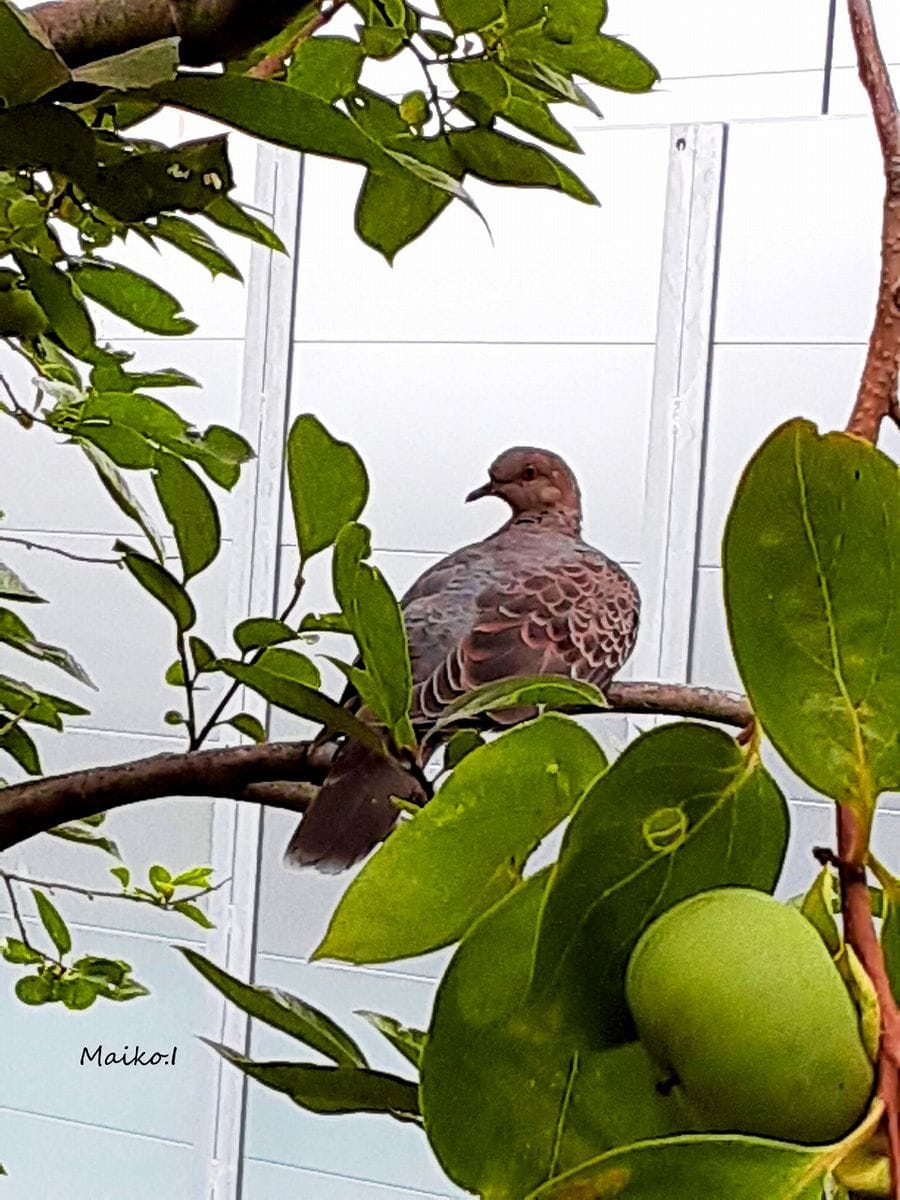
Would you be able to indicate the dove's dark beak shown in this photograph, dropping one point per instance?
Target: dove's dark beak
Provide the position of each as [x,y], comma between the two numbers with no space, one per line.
[486,489]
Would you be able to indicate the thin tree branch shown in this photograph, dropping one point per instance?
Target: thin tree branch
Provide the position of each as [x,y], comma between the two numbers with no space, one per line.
[85,558]
[17,915]
[876,399]
[275,774]
[877,396]
[103,894]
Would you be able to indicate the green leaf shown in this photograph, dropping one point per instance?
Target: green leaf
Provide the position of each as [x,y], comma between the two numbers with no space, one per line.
[258,632]
[193,913]
[460,746]
[331,1089]
[283,1011]
[132,296]
[15,633]
[14,588]
[29,66]
[325,622]
[440,43]
[77,994]
[372,612]
[290,664]
[190,510]
[394,207]
[470,16]
[197,877]
[684,1168]
[302,700]
[197,244]
[327,481]
[232,216]
[249,726]
[35,989]
[813,517]
[122,874]
[15,951]
[501,94]
[110,377]
[160,584]
[508,1100]
[440,871]
[121,493]
[407,1041]
[890,945]
[550,691]
[141,67]
[174,675]
[161,880]
[276,112]
[53,923]
[682,810]
[61,301]
[498,158]
[75,833]
[124,446]
[818,907]
[17,743]
[202,654]
[327,67]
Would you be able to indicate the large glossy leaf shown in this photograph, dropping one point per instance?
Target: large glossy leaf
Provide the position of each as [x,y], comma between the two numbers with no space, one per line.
[273,111]
[140,67]
[16,634]
[497,158]
[508,1099]
[29,66]
[191,512]
[327,481]
[53,922]
[686,1168]
[282,1011]
[331,1089]
[371,610]
[196,243]
[114,483]
[19,746]
[132,296]
[327,67]
[682,810]
[812,560]
[439,872]
[394,207]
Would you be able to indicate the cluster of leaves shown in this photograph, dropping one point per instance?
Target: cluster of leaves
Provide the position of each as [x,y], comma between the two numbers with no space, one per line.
[529,1080]
[77,984]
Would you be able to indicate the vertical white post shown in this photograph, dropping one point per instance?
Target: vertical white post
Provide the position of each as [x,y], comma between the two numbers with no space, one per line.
[678,413]
[271,290]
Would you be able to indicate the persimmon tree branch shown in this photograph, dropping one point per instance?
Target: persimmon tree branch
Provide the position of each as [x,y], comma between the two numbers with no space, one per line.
[877,396]
[275,774]
[82,31]
[876,399]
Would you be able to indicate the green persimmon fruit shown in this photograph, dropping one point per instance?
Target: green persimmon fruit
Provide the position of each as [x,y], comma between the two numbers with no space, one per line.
[736,996]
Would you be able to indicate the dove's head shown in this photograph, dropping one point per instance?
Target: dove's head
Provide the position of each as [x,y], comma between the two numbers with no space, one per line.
[534,483]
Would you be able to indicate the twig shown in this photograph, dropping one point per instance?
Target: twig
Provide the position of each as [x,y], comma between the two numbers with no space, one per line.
[189,681]
[273,64]
[17,916]
[103,894]
[85,558]
[877,396]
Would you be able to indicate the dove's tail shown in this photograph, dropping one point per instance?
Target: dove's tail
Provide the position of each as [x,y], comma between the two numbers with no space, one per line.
[353,811]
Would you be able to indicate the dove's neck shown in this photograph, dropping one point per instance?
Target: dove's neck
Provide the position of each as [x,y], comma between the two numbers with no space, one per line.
[560,520]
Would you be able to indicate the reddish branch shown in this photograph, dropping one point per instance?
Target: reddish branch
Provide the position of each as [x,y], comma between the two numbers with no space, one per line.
[877,399]
[279,774]
[210,30]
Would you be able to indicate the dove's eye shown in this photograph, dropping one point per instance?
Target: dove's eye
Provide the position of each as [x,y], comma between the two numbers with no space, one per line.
[529,473]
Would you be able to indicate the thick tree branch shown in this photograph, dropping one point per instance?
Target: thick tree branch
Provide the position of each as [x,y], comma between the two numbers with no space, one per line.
[877,397]
[276,774]
[210,30]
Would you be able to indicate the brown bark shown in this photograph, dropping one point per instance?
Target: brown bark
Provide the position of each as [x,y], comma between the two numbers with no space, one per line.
[278,774]
[210,30]
[876,399]
[877,396]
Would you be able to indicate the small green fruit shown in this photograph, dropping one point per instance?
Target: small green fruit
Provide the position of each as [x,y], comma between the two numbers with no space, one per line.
[737,996]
